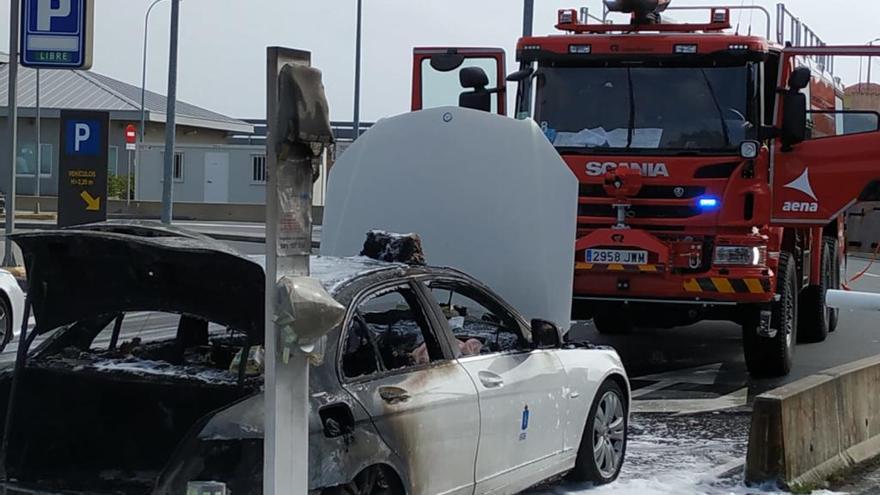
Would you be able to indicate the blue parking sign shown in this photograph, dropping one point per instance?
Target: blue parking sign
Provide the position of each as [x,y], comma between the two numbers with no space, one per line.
[57,34]
[82,137]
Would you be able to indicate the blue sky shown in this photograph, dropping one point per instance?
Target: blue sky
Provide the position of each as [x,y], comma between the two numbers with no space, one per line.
[223,42]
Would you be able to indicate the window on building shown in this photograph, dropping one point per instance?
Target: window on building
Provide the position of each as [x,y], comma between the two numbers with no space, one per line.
[113,160]
[258,169]
[26,164]
[177,170]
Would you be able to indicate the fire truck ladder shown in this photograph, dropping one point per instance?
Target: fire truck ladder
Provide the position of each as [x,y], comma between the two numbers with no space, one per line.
[800,35]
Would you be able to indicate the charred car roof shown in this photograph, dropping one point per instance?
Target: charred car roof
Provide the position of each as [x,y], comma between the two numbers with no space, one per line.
[79,273]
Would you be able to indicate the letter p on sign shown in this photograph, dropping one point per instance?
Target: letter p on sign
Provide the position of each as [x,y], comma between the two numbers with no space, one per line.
[46,12]
[81,135]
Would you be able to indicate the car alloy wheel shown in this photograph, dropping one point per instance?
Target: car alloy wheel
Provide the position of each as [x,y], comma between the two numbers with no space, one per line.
[608,434]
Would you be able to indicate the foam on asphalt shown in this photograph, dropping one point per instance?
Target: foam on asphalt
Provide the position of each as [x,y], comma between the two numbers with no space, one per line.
[682,455]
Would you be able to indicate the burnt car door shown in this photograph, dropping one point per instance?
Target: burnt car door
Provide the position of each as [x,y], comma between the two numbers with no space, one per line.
[520,389]
[421,400]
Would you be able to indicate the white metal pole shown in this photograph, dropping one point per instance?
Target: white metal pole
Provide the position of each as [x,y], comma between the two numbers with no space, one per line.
[12,130]
[39,151]
[128,182]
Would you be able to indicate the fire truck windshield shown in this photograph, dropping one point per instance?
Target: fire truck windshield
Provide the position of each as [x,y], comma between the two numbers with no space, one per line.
[645,109]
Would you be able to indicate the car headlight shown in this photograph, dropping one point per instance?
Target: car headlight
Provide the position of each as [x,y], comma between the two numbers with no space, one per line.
[740,255]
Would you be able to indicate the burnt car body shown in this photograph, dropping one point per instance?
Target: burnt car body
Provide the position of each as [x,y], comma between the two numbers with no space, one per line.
[432,384]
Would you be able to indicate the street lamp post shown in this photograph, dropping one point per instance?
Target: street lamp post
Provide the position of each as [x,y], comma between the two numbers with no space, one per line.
[171,116]
[528,17]
[356,115]
[12,130]
[142,129]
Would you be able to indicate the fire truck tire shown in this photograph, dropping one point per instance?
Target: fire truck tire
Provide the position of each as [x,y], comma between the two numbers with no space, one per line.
[833,246]
[613,322]
[814,319]
[772,356]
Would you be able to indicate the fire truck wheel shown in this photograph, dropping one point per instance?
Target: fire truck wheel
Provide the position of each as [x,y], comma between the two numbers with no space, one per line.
[771,356]
[815,317]
[833,246]
[613,322]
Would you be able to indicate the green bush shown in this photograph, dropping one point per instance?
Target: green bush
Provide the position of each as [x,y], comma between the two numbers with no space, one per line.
[116,186]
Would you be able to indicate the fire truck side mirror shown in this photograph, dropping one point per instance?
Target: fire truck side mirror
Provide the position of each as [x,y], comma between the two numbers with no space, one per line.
[521,75]
[794,119]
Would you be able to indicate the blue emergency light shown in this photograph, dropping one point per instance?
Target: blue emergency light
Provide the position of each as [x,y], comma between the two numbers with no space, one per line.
[708,203]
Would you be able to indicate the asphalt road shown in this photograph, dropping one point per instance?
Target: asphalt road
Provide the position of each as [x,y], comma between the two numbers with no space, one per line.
[713,350]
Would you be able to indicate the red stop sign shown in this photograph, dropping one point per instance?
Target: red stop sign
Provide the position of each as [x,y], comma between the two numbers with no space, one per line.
[131,134]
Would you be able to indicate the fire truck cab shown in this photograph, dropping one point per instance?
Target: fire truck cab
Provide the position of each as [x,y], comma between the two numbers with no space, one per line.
[715,167]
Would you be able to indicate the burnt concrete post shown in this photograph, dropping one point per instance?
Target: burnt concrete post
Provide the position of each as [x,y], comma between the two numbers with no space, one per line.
[298,131]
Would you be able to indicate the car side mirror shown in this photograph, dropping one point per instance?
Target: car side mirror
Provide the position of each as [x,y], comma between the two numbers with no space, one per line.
[794,120]
[545,335]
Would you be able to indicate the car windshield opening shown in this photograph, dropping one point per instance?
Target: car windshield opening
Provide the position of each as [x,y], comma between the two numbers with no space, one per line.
[670,109]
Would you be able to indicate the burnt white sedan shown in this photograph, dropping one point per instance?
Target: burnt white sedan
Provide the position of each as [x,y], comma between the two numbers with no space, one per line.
[431,385]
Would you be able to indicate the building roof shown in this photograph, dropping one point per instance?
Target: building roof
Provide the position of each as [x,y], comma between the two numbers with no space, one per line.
[87,90]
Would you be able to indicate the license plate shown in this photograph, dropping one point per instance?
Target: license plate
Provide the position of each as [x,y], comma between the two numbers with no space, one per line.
[617,256]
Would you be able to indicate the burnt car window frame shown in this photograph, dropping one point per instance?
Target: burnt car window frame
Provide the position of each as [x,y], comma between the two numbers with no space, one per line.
[428,314]
[456,280]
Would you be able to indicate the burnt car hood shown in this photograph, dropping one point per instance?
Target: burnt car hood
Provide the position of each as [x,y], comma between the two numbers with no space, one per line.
[82,273]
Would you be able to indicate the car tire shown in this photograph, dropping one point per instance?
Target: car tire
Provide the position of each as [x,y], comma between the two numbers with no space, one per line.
[6,319]
[814,319]
[604,431]
[375,480]
[772,356]
[613,322]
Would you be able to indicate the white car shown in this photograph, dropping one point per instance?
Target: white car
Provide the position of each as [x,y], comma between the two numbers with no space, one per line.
[431,385]
[11,308]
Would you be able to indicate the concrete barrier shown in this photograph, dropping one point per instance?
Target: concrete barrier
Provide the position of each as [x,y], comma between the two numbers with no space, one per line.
[806,431]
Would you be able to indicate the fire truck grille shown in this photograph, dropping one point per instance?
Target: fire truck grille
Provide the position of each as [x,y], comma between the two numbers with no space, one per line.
[640,211]
[647,192]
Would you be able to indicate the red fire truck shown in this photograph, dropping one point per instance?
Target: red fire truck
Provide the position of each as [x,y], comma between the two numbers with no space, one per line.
[715,166]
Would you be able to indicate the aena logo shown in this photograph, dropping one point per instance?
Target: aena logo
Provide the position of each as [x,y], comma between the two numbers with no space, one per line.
[803,185]
[800,206]
[596,169]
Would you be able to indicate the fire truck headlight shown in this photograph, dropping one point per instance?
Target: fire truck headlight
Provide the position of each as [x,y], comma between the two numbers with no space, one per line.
[740,255]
